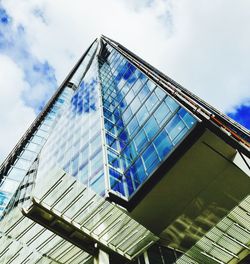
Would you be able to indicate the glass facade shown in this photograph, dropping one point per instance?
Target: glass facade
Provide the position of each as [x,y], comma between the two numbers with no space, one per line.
[118,128]
[32,147]
[30,150]
[75,145]
[111,128]
[143,124]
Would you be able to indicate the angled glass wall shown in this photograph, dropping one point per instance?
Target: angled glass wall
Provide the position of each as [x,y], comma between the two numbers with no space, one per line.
[75,145]
[31,149]
[25,155]
[143,124]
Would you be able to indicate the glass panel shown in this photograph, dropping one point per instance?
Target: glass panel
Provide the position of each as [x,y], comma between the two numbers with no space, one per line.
[139,120]
[133,126]
[175,126]
[16,174]
[142,114]
[162,113]
[23,164]
[163,144]
[151,102]
[150,158]
[140,140]
[151,128]
[171,103]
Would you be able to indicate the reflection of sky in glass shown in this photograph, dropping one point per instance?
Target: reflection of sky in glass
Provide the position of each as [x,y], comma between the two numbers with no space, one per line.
[75,143]
[4,199]
[84,100]
[143,124]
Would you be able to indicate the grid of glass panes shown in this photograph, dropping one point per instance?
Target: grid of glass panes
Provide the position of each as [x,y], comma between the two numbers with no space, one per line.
[75,144]
[143,124]
[30,151]
[76,78]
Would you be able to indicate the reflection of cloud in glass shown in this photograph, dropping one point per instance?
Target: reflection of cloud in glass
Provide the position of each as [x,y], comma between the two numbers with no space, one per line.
[125,71]
[85,99]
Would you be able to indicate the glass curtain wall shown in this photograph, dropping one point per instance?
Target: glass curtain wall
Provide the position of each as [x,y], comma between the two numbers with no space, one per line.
[30,151]
[75,144]
[143,123]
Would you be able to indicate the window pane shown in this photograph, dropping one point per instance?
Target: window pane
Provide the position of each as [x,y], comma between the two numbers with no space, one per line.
[171,103]
[140,140]
[163,144]
[133,126]
[175,126]
[151,128]
[162,113]
[142,114]
[150,158]
[151,102]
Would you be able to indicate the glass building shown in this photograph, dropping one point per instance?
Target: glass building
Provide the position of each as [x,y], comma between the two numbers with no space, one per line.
[124,165]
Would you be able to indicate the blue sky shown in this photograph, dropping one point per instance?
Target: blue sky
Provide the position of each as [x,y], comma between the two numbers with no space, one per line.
[37,73]
[202,45]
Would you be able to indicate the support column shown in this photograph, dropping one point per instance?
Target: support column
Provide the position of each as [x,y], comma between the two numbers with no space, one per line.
[101,258]
[145,254]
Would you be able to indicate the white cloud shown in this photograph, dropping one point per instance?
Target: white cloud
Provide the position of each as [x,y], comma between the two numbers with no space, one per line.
[202,44]
[209,50]
[15,116]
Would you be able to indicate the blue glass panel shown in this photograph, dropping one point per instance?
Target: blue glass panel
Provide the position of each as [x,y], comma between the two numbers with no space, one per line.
[107,114]
[109,126]
[144,92]
[113,159]
[116,183]
[133,126]
[151,85]
[135,105]
[163,144]
[138,172]
[150,158]
[111,141]
[121,84]
[175,126]
[119,125]
[137,86]
[151,102]
[127,114]
[123,136]
[142,114]
[160,93]
[131,80]
[151,127]
[129,152]
[162,113]
[181,134]
[122,69]
[140,140]
[130,184]
[171,104]
[187,117]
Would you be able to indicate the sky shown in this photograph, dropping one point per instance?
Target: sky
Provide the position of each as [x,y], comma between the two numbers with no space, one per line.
[201,44]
